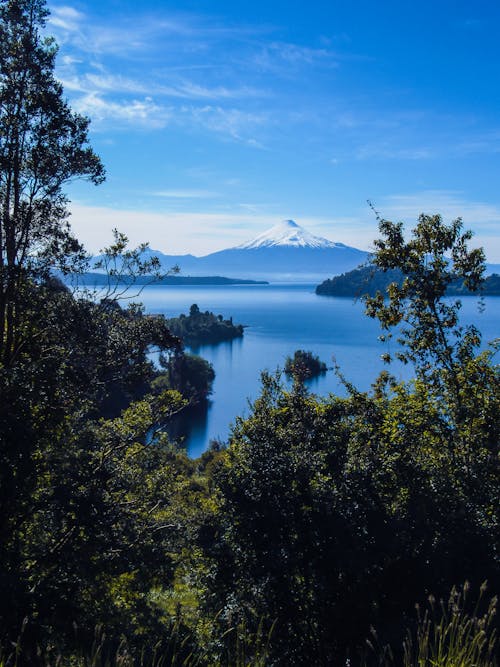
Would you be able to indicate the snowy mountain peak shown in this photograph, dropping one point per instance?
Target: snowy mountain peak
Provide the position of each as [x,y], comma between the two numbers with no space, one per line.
[288,233]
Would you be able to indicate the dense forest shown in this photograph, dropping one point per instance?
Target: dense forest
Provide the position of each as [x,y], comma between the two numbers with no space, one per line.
[310,536]
[370,280]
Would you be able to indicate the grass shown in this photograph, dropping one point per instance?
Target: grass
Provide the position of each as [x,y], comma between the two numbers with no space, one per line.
[448,635]
[242,649]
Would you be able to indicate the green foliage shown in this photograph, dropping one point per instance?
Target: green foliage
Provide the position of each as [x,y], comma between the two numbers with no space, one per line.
[88,486]
[199,328]
[333,515]
[84,490]
[304,365]
[431,260]
[244,649]
[189,374]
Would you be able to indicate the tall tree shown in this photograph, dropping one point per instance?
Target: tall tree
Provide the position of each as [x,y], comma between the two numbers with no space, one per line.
[43,145]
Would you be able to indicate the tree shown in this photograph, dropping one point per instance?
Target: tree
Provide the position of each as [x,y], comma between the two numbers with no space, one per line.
[84,490]
[434,257]
[443,351]
[189,374]
[43,145]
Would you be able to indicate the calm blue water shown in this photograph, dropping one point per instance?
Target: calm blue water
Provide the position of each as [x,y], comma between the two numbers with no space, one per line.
[279,320]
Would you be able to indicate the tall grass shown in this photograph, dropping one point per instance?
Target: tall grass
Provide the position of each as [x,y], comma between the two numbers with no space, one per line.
[450,633]
[241,649]
[448,636]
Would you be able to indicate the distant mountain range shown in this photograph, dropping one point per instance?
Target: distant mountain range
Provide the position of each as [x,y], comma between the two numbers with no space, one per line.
[285,252]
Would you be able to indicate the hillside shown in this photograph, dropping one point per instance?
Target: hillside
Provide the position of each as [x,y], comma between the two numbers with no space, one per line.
[369,280]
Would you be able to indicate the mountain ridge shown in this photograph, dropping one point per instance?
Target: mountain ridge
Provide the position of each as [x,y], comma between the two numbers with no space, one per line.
[285,252]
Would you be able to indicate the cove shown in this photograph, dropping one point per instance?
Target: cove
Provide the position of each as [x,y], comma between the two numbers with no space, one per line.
[279,319]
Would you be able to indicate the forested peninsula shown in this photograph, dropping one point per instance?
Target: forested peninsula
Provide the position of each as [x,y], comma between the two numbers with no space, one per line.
[94,279]
[356,529]
[370,280]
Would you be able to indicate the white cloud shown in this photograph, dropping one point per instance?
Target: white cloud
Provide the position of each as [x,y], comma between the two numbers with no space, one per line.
[92,82]
[193,90]
[279,57]
[231,123]
[172,233]
[199,233]
[69,61]
[66,18]
[144,112]
[113,83]
[136,35]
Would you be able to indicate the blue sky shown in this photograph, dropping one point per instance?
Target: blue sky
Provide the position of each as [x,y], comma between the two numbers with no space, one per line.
[215,120]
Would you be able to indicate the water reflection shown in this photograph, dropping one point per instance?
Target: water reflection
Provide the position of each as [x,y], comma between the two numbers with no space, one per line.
[222,351]
[190,428]
[313,384]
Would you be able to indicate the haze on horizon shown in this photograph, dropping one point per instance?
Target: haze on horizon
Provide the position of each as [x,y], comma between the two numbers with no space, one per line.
[215,122]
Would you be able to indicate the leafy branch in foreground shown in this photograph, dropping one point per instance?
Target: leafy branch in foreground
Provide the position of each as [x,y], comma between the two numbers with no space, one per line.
[124,266]
[434,257]
[443,351]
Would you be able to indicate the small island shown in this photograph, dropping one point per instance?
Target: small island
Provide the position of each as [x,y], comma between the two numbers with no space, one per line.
[200,328]
[304,365]
[368,280]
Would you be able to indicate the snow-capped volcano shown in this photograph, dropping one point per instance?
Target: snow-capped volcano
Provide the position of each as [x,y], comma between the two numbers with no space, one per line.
[288,233]
[287,252]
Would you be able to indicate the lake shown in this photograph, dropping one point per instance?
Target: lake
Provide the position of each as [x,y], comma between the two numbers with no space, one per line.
[279,319]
